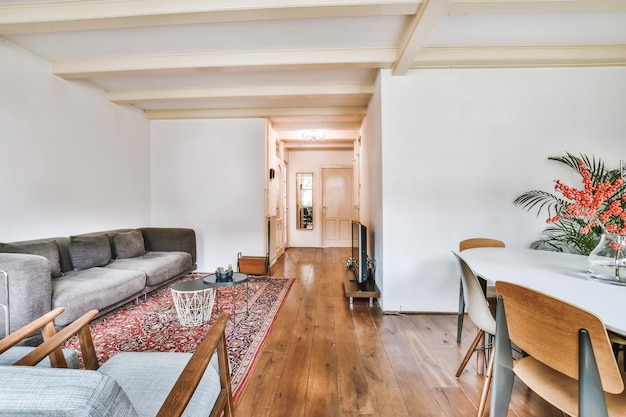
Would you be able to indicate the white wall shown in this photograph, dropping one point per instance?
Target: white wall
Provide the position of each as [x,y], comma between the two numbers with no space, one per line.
[371,192]
[459,145]
[71,161]
[311,161]
[209,175]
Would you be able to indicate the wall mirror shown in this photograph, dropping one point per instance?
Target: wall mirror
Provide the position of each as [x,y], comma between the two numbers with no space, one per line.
[304,200]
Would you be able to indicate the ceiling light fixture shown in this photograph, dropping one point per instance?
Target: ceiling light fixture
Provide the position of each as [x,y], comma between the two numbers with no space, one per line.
[313,135]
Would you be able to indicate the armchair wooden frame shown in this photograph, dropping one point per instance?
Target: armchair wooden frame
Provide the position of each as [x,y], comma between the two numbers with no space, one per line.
[49,347]
[180,395]
[569,360]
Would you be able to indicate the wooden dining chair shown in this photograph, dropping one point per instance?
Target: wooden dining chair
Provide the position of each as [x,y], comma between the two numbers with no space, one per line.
[569,361]
[481,315]
[478,242]
[619,345]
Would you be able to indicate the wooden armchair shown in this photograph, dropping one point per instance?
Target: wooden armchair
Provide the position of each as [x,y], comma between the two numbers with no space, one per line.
[45,323]
[145,383]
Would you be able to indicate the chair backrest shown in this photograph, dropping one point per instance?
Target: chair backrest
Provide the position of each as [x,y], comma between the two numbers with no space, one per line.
[475,301]
[480,242]
[546,328]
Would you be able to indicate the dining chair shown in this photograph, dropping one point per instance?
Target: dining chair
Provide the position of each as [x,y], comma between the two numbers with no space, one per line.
[619,345]
[478,242]
[568,358]
[481,315]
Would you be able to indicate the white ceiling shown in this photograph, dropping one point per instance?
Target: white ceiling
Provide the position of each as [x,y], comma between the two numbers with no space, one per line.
[304,64]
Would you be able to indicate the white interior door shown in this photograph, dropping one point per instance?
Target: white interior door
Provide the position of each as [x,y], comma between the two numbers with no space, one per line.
[337,207]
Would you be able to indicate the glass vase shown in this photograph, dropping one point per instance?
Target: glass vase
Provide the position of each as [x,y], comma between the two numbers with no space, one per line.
[607,262]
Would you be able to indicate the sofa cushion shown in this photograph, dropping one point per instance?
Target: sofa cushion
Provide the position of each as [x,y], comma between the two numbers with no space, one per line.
[33,392]
[93,288]
[15,353]
[148,390]
[48,250]
[89,251]
[128,244]
[158,266]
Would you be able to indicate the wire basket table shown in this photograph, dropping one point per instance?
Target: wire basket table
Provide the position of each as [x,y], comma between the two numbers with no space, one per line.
[193,301]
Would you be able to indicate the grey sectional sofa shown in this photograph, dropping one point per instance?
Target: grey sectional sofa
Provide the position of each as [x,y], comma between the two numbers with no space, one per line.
[100,270]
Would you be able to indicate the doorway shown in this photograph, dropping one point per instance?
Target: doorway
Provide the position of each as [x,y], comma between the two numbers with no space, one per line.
[337,207]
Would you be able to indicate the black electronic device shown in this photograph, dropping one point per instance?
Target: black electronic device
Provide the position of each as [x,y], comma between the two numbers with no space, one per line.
[358,262]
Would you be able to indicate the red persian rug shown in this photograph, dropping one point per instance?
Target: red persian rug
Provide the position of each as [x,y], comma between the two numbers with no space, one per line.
[153,325]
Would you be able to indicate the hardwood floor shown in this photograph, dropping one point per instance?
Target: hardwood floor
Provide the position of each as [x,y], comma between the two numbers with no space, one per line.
[325,359]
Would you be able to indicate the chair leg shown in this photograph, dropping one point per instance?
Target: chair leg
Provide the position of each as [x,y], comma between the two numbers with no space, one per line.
[481,363]
[486,386]
[591,401]
[468,355]
[502,372]
[461,315]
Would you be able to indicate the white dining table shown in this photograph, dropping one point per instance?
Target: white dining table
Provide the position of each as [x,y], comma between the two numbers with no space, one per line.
[561,275]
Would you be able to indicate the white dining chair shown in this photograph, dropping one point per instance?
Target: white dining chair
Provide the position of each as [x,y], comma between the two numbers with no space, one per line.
[476,242]
[480,314]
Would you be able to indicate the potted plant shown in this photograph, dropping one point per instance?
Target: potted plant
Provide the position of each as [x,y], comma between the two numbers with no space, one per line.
[590,220]
[224,275]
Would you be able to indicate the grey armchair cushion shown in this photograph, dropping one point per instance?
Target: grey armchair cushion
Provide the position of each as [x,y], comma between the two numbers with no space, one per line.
[32,391]
[128,244]
[148,377]
[89,251]
[15,353]
[48,250]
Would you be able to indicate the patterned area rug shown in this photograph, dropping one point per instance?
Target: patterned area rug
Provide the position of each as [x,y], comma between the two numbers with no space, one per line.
[153,325]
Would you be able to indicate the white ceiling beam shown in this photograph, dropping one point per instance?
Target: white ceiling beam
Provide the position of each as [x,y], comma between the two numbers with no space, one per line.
[250,61]
[89,15]
[249,113]
[535,6]
[521,56]
[142,96]
[416,34]
[334,126]
[329,134]
[429,57]
[319,145]
[113,14]
[318,118]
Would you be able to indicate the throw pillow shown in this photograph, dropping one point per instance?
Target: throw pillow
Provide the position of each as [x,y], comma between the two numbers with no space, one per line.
[129,244]
[48,250]
[89,251]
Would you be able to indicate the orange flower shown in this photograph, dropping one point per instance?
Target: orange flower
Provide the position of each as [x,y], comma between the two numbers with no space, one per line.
[590,203]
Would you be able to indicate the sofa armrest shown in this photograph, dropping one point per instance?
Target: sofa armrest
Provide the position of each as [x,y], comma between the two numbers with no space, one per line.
[30,294]
[168,239]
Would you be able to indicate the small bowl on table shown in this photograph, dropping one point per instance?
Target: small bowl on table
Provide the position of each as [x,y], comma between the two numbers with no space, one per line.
[226,276]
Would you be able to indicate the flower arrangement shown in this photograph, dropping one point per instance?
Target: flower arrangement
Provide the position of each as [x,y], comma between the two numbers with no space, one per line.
[590,220]
[577,221]
[599,204]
